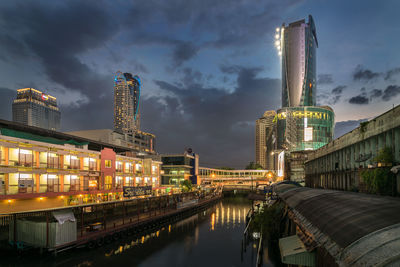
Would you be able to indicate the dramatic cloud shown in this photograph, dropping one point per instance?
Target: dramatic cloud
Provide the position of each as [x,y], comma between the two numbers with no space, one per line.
[359,100]
[364,75]
[57,34]
[209,119]
[391,73]
[390,92]
[325,79]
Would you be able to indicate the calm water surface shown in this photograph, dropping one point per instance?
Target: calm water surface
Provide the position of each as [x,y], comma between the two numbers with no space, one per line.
[210,238]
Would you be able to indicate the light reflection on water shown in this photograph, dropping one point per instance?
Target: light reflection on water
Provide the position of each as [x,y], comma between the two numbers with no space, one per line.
[212,237]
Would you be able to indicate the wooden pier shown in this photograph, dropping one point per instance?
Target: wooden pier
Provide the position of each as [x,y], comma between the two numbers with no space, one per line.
[100,223]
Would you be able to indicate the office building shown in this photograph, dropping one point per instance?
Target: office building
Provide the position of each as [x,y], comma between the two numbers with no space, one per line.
[266,140]
[297,43]
[126,103]
[34,108]
[179,167]
[304,128]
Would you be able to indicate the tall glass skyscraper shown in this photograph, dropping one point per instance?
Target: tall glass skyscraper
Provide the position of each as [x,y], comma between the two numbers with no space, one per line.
[126,103]
[298,43]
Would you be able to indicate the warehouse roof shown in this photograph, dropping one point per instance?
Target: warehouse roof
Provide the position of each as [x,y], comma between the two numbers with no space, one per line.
[349,218]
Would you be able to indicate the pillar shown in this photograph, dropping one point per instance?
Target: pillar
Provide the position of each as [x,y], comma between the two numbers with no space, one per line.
[37,179]
[37,153]
[61,179]
[6,182]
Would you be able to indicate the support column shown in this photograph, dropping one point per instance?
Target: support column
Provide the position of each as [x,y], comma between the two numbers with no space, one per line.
[37,179]
[61,179]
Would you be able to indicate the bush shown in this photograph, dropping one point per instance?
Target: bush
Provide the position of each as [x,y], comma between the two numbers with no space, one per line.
[268,220]
[379,181]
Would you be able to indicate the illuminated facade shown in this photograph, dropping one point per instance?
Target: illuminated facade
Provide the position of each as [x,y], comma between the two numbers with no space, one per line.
[265,140]
[297,45]
[39,171]
[179,167]
[126,103]
[34,108]
[304,128]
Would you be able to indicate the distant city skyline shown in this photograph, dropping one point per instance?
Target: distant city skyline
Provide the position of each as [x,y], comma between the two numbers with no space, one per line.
[209,69]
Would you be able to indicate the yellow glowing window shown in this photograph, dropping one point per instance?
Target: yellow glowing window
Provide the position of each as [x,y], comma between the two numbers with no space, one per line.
[108,163]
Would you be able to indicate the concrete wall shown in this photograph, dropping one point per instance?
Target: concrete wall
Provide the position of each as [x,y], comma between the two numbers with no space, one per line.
[337,165]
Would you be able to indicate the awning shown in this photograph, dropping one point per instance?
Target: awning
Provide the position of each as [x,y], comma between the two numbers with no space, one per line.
[64,215]
[294,252]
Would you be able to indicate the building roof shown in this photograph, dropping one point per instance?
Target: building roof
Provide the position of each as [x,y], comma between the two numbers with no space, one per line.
[351,220]
[33,133]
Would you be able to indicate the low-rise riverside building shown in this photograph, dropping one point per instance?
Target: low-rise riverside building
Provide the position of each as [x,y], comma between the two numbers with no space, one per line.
[179,167]
[46,169]
[338,164]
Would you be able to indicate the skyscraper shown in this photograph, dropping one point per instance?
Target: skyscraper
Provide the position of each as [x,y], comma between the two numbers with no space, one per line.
[297,43]
[34,108]
[266,140]
[126,103]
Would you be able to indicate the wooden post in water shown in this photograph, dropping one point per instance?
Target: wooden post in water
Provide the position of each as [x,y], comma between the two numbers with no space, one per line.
[104,217]
[138,209]
[47,229]
[123,213]
[15,229]
[81,221]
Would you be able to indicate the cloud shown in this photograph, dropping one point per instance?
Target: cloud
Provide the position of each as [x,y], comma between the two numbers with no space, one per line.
[325,79]
[375,93]
[391,73]
[6,98]
[338,90]
[359,100]
[183,52]
[216,123]
[325,98]
[390,92]
[364,75]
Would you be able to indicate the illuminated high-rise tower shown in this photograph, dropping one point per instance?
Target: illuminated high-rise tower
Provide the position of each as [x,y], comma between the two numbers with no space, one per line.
[126,103]
[34,108]
[297,45]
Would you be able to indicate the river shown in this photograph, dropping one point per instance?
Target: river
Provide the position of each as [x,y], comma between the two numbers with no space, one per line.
[210,238]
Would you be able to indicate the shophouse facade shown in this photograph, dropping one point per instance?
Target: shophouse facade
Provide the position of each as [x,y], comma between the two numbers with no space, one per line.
[39,171]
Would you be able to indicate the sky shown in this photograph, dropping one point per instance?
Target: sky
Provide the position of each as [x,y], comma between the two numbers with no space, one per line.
[209,68]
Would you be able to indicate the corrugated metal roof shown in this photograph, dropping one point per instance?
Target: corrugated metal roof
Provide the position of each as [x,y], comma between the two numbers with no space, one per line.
[344,216]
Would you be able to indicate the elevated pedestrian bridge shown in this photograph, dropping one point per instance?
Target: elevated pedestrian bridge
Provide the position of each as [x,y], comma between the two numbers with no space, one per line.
[236,177]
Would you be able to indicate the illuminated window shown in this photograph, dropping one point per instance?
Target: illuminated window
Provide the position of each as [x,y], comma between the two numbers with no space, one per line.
[308,134]
[108,163]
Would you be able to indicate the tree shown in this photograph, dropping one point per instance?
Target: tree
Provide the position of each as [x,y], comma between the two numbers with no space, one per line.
[385,156]
[254,166]
[186,185]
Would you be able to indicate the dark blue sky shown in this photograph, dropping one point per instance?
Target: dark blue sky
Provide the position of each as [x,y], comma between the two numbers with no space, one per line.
[209,68]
